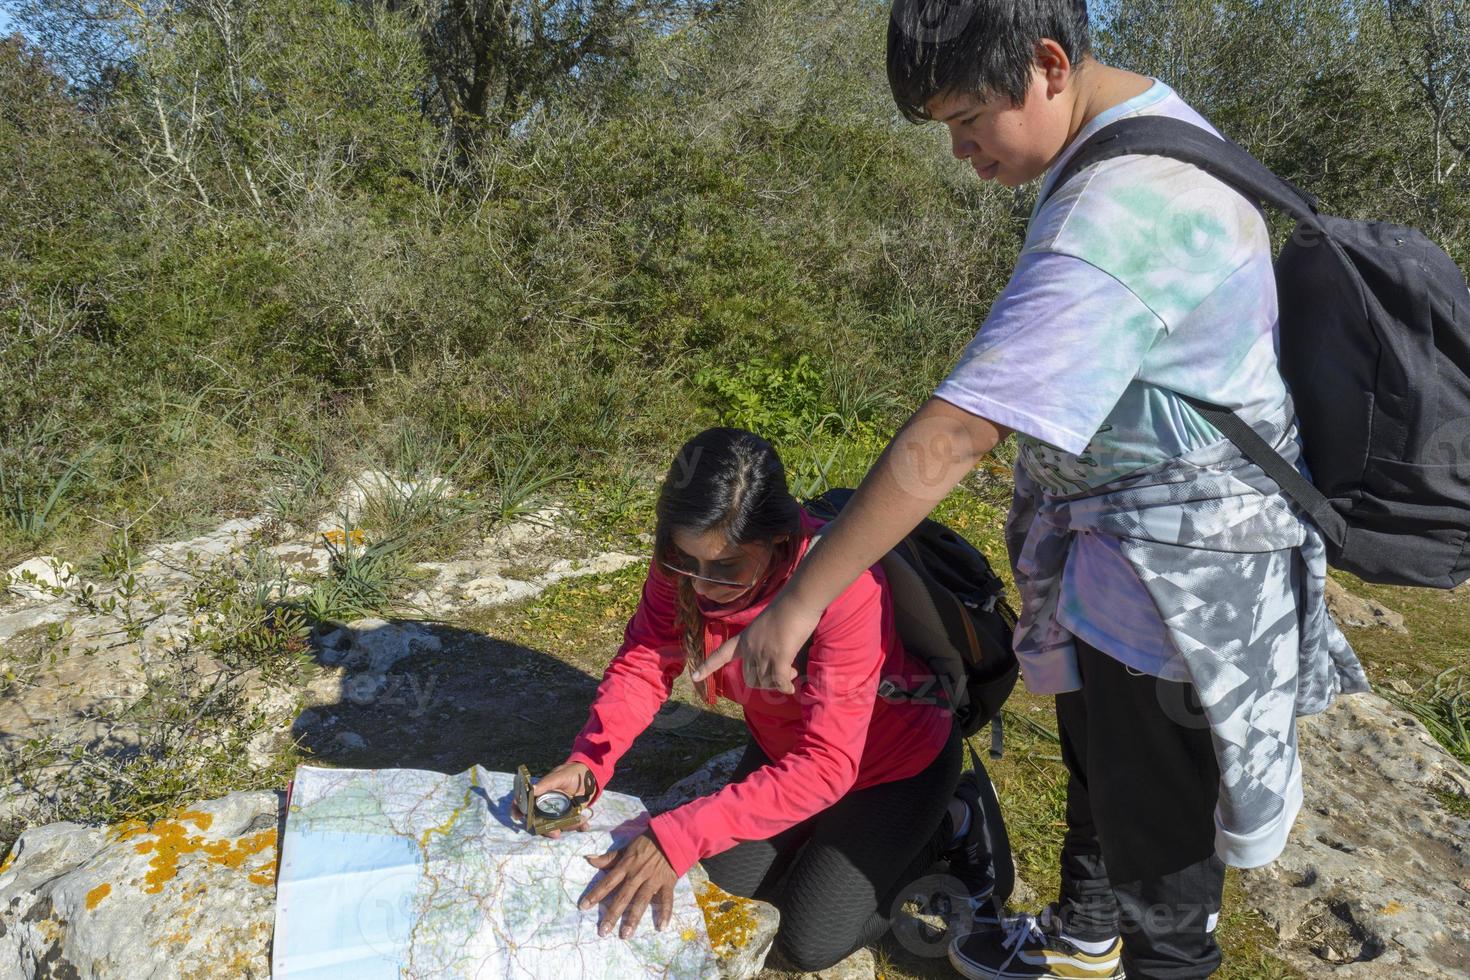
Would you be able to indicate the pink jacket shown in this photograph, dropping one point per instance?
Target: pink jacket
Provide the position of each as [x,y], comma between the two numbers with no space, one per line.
[832,736]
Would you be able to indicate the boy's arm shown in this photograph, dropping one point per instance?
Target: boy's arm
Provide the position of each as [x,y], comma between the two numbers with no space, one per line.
[926,459]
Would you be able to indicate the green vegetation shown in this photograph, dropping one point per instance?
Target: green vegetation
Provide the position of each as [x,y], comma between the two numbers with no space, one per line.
[242,271]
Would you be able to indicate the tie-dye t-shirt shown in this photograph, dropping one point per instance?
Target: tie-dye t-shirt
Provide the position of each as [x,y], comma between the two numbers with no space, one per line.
[1141,278]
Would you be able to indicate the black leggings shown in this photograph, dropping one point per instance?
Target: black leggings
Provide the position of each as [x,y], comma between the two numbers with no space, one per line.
[835,875]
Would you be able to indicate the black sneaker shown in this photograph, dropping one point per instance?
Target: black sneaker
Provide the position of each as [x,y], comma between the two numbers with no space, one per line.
[981,860]
[1027,948]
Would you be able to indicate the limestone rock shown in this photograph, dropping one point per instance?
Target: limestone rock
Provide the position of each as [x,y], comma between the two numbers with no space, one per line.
[1357,612]
[705,780]
[483,581]
[168,561]
[42,578]
[859,966]
[349,742]
[378,644]
[741,930]
[334,639]
[33,617]
[1373,881]
[192,895]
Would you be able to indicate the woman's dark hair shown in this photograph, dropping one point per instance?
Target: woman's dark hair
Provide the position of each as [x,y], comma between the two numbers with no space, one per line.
[978,47]
[726,480]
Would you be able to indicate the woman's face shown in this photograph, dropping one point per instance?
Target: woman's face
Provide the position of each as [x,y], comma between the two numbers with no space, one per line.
[736,569]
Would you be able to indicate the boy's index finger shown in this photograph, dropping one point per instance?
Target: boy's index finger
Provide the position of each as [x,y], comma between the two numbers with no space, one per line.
[725,653]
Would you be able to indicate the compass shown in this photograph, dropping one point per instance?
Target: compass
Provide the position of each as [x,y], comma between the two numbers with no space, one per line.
[547,813]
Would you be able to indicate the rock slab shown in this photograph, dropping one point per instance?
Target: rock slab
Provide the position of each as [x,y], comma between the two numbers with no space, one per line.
[1375,879]
[42,579]
[1357,612]
[192,895]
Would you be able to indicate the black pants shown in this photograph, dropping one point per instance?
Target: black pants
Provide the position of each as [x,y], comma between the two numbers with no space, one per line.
[834,876]
[1139,854]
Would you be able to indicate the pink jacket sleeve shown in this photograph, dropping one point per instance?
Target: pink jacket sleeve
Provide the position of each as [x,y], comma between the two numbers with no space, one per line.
[637,681]
[836,699]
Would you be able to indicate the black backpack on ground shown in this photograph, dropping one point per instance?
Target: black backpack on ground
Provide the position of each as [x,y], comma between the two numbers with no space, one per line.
[1375,349]
[950,611]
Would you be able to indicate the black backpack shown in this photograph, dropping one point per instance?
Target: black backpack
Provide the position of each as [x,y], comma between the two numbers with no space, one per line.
[1375,349]
[950,611]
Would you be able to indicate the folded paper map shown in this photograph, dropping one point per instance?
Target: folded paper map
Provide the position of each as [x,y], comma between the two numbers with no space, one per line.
[403,873]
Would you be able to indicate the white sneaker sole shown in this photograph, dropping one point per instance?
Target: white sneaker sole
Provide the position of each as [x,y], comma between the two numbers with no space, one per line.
[978,971]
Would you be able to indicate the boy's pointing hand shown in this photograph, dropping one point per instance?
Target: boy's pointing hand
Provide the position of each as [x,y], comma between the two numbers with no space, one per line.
[767,649]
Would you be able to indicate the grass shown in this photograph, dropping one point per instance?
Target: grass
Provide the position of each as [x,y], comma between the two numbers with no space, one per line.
[300,481]
[363,577]
[1443,705]
[521,471]
[1438,637]
[35,512]
[613,512]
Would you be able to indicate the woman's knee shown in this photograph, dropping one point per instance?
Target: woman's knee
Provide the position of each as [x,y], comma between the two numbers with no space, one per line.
[731,879]
[811,957]
[742,869]
[808,944]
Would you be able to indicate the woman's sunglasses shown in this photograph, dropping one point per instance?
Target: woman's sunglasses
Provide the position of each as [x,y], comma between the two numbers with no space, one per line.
[704,578]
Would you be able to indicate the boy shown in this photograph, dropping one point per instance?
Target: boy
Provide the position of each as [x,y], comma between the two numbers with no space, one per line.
[1172,597]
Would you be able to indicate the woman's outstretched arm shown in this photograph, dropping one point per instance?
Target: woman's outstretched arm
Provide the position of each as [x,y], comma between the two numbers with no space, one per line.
[637,681]
[926,459]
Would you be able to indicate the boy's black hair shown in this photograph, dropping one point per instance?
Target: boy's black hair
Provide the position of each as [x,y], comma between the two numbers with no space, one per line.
[982,47]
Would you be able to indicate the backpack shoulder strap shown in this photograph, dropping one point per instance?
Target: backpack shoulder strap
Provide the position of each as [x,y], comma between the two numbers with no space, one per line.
[1229,162]
[1332,524]
[1221,158]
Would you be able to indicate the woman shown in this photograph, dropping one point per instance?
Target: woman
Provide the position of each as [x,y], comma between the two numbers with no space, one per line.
[841,798]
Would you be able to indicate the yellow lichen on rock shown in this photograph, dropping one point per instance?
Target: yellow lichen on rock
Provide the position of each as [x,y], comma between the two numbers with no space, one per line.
[127,830]
[728,918]
[265,874]
[234,856]
[97,894]
[9,860]
[168,840]
[198,818]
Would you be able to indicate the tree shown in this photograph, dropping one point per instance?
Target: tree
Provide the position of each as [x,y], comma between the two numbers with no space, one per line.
[269,102]
[85,41]
[1433,45]
[492,61]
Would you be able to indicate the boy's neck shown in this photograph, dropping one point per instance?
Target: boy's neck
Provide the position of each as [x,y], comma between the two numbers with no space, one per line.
[1100,88]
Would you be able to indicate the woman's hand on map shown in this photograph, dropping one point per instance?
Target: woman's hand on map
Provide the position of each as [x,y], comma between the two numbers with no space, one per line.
[571,778]
[635,875]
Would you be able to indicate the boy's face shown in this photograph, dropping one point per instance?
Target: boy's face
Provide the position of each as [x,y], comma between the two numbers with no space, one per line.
[1004,142]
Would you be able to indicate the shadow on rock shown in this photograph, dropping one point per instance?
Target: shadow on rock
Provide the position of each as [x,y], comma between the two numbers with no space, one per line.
[420,695]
